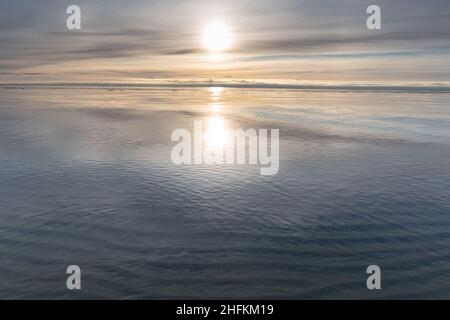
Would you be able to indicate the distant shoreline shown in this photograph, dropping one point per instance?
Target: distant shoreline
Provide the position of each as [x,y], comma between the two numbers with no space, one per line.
[243,85]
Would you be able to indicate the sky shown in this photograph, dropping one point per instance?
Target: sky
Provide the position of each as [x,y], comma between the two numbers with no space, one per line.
[284,41]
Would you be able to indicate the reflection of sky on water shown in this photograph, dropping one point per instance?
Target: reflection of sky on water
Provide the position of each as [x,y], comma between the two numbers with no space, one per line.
[86,176]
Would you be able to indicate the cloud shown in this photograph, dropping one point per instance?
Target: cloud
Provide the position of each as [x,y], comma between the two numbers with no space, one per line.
[142,38]
[183,51]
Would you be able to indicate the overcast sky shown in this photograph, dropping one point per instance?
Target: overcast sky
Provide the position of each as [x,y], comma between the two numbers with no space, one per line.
[320,41]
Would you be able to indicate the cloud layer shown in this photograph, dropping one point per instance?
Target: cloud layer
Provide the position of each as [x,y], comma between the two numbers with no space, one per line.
[301,41]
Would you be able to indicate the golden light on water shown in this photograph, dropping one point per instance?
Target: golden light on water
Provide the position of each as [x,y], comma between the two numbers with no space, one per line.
[215,106]
[215,91]
[216,133]
[215,95]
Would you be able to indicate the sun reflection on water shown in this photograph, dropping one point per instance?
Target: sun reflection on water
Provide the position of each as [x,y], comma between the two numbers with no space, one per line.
[215,96]
[215,91]
[216,133]
[215,106]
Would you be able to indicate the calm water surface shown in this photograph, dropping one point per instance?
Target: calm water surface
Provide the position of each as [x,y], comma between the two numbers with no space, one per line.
[86,178]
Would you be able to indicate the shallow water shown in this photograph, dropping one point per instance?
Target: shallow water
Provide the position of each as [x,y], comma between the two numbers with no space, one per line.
[86,178]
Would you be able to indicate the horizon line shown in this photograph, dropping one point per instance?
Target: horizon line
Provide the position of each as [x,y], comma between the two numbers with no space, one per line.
[435,88]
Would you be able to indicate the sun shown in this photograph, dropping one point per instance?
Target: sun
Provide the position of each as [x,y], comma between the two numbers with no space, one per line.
[217,37]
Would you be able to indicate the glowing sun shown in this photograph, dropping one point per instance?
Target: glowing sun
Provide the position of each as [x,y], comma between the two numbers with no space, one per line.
[216,37]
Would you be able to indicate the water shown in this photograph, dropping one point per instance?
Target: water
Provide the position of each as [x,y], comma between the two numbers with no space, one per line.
[86,178]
